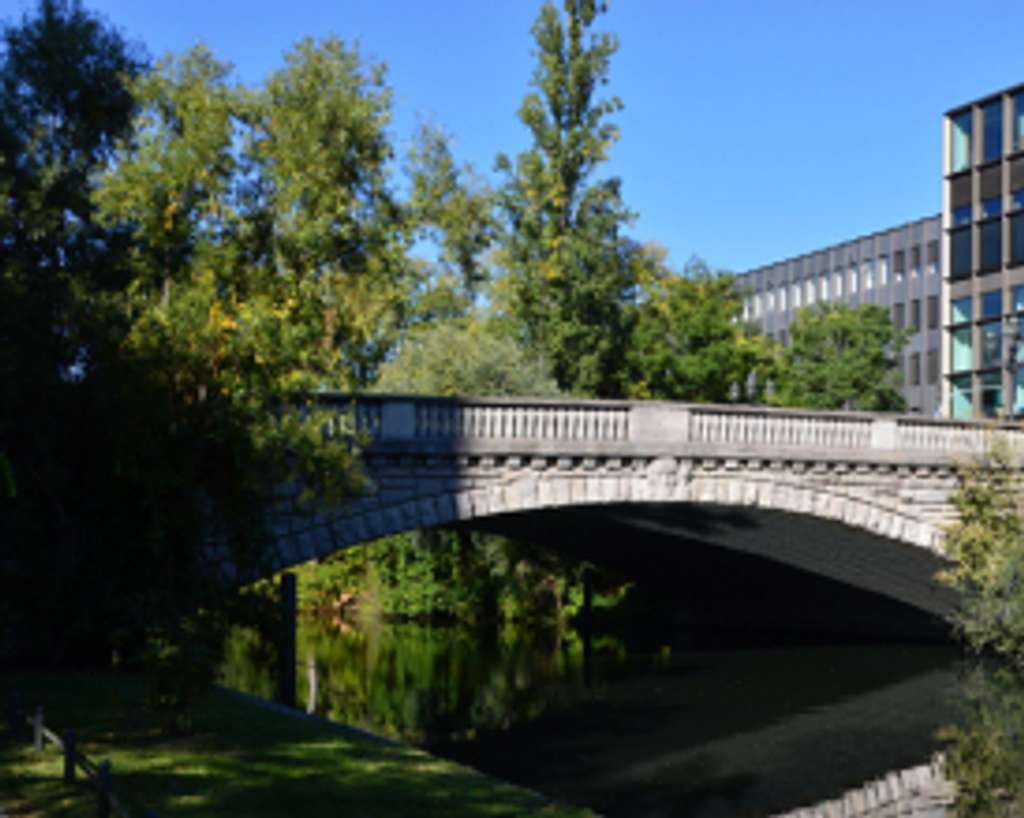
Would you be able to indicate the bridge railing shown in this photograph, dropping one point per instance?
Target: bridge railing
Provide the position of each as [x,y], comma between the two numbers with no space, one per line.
[412,418]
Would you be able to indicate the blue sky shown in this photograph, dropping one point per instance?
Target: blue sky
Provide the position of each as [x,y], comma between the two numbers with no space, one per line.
[753,131]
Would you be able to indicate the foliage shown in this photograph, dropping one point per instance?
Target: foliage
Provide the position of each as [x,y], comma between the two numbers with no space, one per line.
[486,364]
[687,343]
[986,546]
[985,753]
[570,271]
[841,357]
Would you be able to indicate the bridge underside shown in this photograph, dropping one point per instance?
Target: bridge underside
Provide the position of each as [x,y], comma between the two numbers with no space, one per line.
[731,562]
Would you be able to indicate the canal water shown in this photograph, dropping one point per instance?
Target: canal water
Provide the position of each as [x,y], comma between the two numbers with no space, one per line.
[630,729]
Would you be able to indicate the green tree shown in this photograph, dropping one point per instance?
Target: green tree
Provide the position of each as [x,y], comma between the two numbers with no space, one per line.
[986,546]
[841,357]
[569,267]
[687,342]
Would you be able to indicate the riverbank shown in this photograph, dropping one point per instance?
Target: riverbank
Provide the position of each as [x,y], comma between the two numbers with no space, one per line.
[242,759]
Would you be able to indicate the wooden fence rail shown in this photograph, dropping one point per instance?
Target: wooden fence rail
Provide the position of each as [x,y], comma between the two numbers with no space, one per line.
[99,775]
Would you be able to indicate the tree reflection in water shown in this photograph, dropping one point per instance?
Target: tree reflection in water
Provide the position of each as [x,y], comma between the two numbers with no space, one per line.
[422,684]
[985,752]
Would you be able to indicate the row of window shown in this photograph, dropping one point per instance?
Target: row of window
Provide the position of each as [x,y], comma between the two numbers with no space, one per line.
[910,319]
[991,127]
[824,287]
[990,386]
[913,368]
[990,238]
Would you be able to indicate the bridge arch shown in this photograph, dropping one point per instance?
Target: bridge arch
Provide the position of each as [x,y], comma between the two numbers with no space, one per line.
[884,478]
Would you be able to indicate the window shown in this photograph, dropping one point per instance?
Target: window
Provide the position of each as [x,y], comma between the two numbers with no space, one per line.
[991,394]
[991,344]
[933,312]
[1017,199]
[960,250]
[898,264]
[883,271]
[1018,121]
[960,158]
[770,300]
[797,293]
[1018,392]
[961,215]
[782,298]
[932,366]
[915,315]
[824,286]
[899,317]
[809,284]
[960,310]
[1017,239]
[960,398]
[837,289]
[992,130]
[992,245]
[992,304]
[914,376]
[853,279]
[757,305]
[868,275]
[991,207]
[1018,299]
[963,352]
[915,259]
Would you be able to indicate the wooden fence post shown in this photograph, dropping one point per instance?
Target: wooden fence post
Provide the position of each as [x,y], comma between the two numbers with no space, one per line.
[37,729]
[70,756]
[103,790]
[286,642]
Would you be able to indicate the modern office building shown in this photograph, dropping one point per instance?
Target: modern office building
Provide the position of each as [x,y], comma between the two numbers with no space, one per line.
[983,219]
[956,280]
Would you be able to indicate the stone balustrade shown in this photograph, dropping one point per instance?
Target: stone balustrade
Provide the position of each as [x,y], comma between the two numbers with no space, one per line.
[777,432]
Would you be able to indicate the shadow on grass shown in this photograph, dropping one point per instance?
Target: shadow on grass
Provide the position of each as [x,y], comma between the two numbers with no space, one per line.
[242,760]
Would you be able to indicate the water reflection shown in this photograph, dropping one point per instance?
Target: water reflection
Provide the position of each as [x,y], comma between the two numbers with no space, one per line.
[985,753]
[739,733]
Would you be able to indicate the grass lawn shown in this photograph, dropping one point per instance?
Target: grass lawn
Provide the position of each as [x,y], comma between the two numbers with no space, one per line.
[242,760]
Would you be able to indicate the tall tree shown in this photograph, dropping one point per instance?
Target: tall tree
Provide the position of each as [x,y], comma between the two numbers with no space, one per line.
[64,101]
[841,357]
[568,263]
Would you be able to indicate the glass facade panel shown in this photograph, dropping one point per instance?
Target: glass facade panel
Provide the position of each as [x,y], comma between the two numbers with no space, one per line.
[992,125]
[991,344]
[1017,239]
[991,394]
[991,207]
[992,304]
[962,352]
[960,250]
[1018,299]
[960,310]
[960,158]
[961,216]
[1018,121]
[960,398]
[1017,199]
[1018,393]
[992,245]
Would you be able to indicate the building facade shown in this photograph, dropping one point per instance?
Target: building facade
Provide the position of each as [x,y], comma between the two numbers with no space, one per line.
[955,280]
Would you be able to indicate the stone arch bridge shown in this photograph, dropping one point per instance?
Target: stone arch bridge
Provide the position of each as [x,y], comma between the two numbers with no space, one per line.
[858,498]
